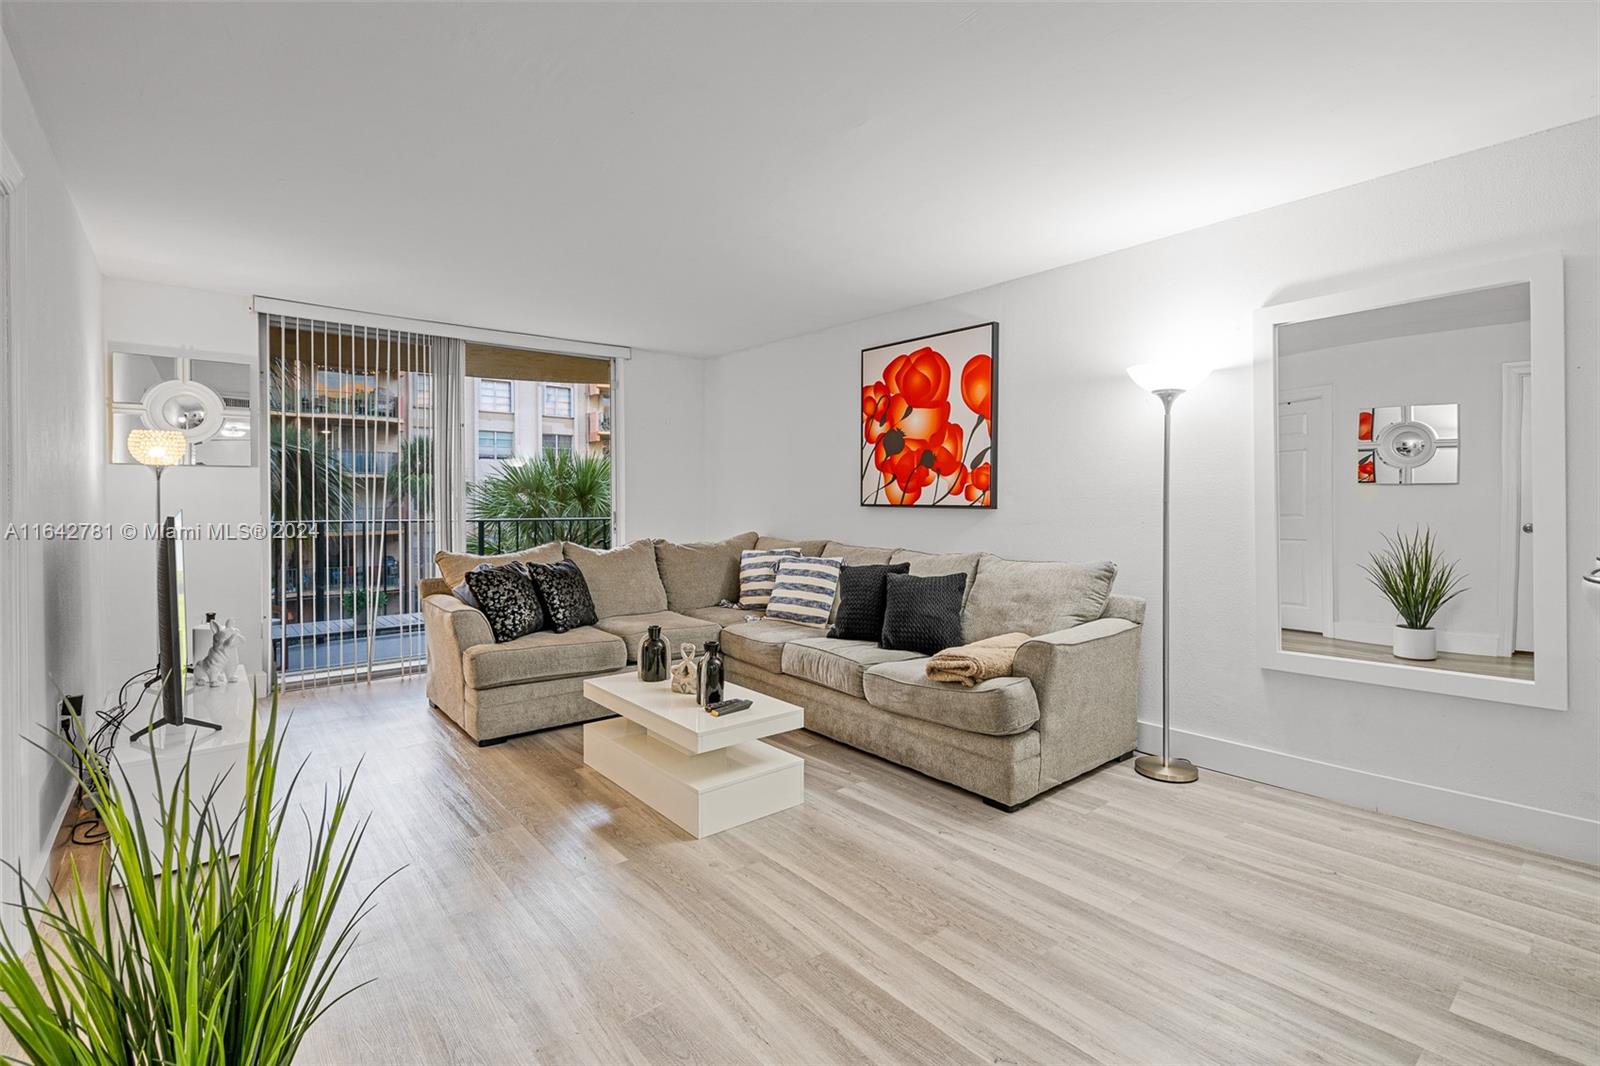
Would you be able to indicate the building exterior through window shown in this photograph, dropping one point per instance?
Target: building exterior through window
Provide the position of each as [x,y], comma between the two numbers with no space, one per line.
[519,419]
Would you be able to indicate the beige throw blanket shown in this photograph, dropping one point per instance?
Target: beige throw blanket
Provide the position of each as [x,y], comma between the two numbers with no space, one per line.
[972,663]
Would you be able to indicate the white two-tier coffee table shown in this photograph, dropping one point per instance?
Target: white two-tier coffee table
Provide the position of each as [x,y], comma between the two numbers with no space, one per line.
[706,774]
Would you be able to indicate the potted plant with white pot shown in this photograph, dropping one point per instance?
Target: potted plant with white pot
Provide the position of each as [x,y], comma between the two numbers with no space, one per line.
[1418,584]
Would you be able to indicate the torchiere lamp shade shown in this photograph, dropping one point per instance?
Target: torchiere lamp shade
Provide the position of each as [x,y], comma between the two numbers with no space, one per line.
[157,447]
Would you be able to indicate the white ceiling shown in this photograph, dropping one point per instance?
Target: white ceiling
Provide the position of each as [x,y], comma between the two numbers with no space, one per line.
[705,178]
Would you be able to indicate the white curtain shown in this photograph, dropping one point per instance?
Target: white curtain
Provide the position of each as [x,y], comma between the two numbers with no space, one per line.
[448,358]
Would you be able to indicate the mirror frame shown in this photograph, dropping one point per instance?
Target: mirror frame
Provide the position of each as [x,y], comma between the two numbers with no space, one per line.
[1544,275]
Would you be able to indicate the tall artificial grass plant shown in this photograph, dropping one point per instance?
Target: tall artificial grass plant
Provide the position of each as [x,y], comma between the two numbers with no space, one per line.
[181,954]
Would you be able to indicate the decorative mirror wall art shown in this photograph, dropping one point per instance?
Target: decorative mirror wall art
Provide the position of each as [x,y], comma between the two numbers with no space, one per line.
[927,420]
[166,388]
[1409,444]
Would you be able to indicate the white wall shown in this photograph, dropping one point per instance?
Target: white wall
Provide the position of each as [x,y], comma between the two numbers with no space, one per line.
[1080,448]
[1460,366]
[221,575]
[58,471]
[663,419]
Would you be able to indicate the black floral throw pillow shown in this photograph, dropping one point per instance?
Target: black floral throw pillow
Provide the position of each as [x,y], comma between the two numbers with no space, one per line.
[564,595]
[508,599]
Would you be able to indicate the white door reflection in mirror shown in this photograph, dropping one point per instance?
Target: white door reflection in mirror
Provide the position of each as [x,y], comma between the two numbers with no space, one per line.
[1303,510]
[1523,625]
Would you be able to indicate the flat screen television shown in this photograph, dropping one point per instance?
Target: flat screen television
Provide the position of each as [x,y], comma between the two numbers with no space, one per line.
[172,630]
[171,621]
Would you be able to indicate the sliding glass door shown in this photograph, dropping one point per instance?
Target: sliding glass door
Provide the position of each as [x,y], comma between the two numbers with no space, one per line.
[350,495]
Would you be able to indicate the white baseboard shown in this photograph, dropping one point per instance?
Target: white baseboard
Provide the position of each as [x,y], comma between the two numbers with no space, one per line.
[1452,640]
[1512,823]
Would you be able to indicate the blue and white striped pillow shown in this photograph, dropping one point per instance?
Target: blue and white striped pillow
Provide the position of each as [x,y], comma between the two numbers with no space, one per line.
[758,572]
[804,591]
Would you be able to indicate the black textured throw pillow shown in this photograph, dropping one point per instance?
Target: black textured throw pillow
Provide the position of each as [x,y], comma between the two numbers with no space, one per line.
[564,594]
[861,600]
[507,598]
[922,614]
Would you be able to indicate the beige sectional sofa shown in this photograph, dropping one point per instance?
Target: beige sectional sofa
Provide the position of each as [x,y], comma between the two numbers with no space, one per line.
[1068,707]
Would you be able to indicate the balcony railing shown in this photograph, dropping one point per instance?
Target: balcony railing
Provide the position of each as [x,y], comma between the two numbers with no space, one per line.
[374,403]
[360,462]
[495,536]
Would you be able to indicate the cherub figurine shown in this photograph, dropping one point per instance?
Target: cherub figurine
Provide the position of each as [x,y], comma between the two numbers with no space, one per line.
[220,664]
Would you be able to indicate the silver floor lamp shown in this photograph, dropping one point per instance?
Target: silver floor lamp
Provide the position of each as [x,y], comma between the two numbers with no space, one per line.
[1168,382]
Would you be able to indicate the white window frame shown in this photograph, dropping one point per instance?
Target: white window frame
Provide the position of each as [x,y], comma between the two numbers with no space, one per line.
[511,393]
[511,443]
[547,391]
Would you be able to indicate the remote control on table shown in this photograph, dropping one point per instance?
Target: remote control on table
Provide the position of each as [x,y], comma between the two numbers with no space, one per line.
[722,707]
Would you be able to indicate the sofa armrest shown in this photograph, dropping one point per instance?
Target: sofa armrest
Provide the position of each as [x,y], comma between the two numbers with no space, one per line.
[459,626]
[1129,607]
[1087,682]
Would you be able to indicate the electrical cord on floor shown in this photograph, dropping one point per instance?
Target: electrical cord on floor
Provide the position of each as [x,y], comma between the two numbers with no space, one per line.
[89,830]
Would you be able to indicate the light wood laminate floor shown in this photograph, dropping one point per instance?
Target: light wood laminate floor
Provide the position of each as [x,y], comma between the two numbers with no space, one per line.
[543,915]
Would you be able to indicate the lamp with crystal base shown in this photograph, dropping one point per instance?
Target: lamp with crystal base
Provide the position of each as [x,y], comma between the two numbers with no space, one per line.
[1168,381]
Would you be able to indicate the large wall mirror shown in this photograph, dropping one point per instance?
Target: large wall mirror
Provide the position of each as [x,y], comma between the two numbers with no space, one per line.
[1411,484]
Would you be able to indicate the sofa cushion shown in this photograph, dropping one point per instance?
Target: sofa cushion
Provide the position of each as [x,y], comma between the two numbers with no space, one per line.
[463,591]
[564,595]
[543,655]
[453,566]
[1035,598]
[858,615]
[804,547]
[856,555]
[675,629]
[805,590]
[724,616]
[622,580]
[702,573]
[925,564]
[758,573]
[837,664]
[922,614]
[507,598]
[998,707]
[761,643]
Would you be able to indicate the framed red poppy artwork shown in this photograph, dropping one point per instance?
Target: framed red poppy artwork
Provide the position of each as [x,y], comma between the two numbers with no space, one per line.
[927,420]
